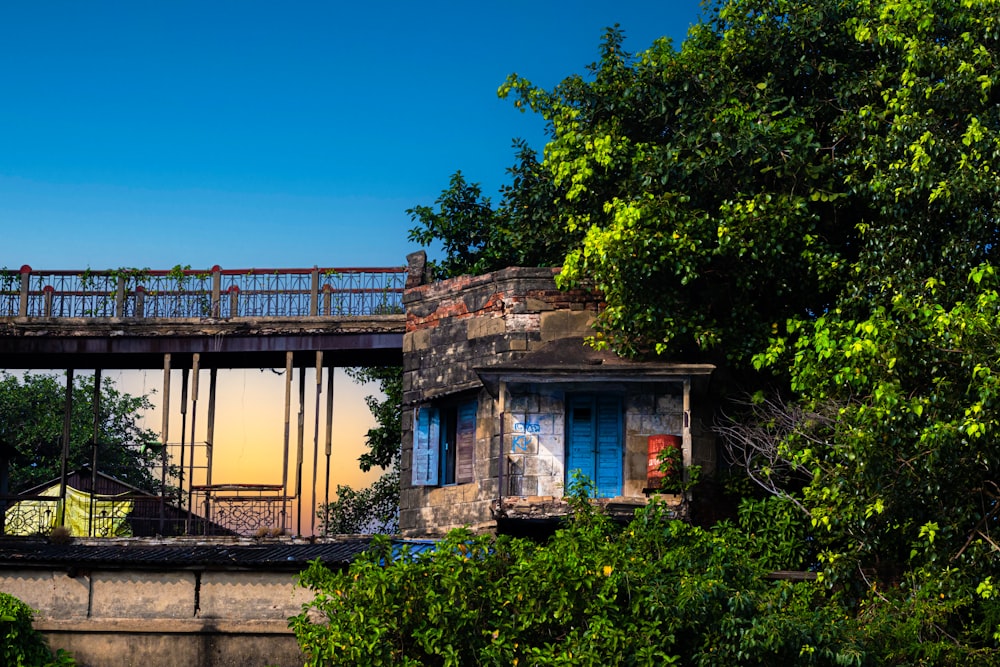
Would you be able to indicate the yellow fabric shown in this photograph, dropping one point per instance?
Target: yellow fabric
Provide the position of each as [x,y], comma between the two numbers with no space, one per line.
[29,517]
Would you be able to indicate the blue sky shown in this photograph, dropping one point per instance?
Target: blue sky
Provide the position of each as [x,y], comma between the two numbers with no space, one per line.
[264,134]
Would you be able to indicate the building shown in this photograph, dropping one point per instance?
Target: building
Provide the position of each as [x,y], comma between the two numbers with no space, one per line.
[503,402]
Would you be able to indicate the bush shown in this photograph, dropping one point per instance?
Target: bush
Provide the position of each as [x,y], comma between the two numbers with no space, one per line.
[657,592]
[22,645]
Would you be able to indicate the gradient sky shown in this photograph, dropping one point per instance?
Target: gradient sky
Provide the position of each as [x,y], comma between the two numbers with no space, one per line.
[256,134]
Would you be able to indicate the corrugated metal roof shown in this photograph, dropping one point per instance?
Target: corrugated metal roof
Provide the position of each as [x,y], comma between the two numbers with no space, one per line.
[133,554]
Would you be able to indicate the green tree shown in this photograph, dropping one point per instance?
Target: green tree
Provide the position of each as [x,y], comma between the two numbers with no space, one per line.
[31,422]
[374,508]
[809,188]
[522,230]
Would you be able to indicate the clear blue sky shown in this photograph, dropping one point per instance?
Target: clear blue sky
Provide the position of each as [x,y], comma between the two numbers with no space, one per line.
[268,134]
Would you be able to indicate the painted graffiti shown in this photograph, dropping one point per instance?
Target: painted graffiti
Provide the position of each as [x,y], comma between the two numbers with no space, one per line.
[527,427]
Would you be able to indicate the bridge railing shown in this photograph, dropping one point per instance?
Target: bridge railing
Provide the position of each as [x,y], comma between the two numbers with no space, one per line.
[215,293]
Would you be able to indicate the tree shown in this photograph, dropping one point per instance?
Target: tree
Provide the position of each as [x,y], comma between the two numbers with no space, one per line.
[374,509]
[31,422]
[809,189]
[522,230]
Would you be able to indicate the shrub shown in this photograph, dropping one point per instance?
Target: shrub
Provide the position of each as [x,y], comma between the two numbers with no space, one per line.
[20,644]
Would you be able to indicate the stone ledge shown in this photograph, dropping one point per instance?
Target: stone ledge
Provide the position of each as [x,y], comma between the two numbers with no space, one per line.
[163,626]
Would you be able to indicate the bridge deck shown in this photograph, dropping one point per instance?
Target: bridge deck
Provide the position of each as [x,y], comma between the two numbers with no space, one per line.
[244,318]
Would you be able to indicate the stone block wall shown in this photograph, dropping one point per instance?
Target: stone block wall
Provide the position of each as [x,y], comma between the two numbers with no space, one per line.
[453,327]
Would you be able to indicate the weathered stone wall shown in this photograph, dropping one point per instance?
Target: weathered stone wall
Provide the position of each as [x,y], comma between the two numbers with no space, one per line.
[535,435]
[456,325]
[139,618]
[453,327]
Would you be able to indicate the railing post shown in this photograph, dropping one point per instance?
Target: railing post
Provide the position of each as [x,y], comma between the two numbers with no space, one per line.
[234,301]
[120,297]
[216,289]
[140,301]
[314,293]
[327,299]
[48,291]
[22,309]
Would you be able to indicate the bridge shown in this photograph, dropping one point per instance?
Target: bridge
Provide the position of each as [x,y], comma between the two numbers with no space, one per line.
[232,318]
[202,320]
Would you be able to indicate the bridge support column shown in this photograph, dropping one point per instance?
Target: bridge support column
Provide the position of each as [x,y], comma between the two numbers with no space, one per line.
[164,435]
[288,421]
[94,445]
[67,430]
[299,452]
[329,438]
[319,391]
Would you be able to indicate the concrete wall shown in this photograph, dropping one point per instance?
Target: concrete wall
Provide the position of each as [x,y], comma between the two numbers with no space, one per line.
[137,618]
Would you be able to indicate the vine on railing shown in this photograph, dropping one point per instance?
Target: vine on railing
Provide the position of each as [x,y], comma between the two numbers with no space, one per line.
[181,292]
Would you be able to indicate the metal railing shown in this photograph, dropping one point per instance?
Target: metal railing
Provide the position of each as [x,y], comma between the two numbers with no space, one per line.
[215,293]
[249,510]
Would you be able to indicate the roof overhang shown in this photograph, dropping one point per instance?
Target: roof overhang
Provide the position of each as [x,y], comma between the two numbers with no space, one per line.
[572,361]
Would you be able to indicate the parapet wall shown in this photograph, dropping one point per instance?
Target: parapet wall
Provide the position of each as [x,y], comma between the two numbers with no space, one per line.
[139,618]
[456,325]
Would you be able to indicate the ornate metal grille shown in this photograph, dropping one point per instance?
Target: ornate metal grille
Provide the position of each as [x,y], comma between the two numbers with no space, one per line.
[28,515]
[243,509]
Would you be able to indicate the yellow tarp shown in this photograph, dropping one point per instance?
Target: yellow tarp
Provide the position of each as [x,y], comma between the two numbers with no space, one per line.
[30,517]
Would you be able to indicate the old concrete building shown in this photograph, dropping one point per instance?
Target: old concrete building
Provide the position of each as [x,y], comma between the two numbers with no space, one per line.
[503,402]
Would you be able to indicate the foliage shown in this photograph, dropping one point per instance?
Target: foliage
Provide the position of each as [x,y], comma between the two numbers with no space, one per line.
[374,509]
[31,421]
[385,438]
[676,477]
[20,644]
[906,474]
[584,598]
[657,591]
[476,237]
[810,188]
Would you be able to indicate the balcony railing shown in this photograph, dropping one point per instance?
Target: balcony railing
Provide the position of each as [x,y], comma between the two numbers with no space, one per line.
[215,293]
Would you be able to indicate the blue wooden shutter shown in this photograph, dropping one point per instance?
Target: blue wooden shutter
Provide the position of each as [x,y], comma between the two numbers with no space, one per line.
[465,442]
[594,442]
[610,456]
[426,444]
[580,436]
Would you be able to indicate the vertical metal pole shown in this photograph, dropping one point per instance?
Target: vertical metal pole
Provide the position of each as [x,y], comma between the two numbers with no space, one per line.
[319,391]
[164,433]
[502,454]
[185,374]
[196,358]
[67,429]
[299,451]
[288,434]
[329,442]
[93,462]
[210,437]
